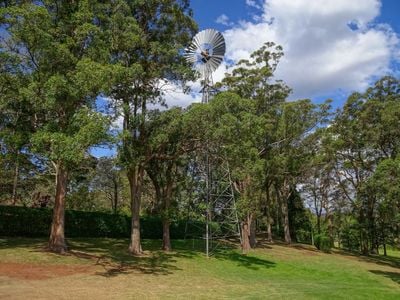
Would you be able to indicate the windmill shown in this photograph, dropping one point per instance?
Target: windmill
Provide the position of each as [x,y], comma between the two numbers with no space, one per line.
[206,53]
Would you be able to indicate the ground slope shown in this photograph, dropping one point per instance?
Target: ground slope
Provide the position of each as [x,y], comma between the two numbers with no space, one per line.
[102,269]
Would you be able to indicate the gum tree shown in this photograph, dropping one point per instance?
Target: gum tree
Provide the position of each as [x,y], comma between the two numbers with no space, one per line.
[60,46]
[146,51]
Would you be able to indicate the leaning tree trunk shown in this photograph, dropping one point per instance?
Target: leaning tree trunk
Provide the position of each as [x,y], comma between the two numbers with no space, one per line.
[135,177]
[57,239]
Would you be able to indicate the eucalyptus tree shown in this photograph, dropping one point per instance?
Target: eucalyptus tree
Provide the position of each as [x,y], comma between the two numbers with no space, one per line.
[62,49]
[169,143]
[15,126]
[365,131]
[233,132]
[148,37]
[384,186]
[253,78]
[290,151]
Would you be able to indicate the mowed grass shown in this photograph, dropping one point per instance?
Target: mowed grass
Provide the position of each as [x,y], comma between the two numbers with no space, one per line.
[103,269]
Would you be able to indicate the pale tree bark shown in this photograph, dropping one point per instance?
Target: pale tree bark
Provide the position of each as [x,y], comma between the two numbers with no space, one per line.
[283,197]
[269,217]
[245,230]
[135,177]
[285,215]
[57,238]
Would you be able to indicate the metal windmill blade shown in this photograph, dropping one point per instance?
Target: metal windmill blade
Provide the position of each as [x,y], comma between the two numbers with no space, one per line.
[206,51]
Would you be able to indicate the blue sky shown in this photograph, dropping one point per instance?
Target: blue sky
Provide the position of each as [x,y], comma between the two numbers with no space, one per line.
[332,47]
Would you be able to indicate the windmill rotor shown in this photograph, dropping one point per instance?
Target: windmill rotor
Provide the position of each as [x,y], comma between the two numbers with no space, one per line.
[206,51]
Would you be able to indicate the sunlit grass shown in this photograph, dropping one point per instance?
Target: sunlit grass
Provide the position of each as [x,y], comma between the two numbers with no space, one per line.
[271,271]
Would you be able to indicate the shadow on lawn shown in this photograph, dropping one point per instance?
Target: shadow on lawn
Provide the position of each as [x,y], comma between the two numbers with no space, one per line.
[247,261]
[391,275]
[377,259]
[113,257]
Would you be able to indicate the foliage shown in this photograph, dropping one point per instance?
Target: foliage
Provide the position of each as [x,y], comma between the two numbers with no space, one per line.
[35,222]
[322,242]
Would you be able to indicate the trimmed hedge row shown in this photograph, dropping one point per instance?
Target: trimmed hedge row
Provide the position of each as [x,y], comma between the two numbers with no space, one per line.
[35,222]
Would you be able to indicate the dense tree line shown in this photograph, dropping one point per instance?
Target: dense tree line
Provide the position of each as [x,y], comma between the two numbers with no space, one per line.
[300,171]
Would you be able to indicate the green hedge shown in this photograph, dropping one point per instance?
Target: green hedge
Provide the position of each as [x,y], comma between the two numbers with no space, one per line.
[35,222]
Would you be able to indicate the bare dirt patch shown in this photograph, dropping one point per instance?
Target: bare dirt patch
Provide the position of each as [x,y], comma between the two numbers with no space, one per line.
[26,271]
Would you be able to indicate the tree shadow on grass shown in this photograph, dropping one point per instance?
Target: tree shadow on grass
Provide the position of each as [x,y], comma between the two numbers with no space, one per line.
[22,242]
[391,275]
[113,256]
[247,261]
[376,259]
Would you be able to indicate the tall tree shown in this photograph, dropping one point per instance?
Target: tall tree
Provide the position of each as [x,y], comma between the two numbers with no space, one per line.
[169,143]
[61,47]
[147,39]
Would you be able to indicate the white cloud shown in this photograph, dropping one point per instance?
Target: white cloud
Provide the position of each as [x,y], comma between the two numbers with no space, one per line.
[331,46]
[224,20]
[322,53]
[253,3]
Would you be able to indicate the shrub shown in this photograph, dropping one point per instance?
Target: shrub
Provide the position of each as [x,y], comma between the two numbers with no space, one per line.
[322,242]
[35,222]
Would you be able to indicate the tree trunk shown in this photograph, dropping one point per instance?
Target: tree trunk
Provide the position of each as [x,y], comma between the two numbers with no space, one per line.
[330,229]
[269,218]
[252,222]
[269,232]
[135,177]
[57,238]
[285,214]
[166,245]
[115,198]
[166,221]
[15,182]
[245,236]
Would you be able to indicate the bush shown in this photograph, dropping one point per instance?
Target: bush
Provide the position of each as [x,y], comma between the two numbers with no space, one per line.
[322,242]
[35,222]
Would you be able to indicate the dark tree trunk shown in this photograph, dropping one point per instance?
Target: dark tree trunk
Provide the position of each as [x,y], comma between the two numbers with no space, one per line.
[253,240]
[166,245]
[57,239]
[15,182]
[115,198]
[135,177]
[167,203]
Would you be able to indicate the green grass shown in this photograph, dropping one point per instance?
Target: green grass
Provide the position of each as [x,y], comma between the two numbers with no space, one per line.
[271,271]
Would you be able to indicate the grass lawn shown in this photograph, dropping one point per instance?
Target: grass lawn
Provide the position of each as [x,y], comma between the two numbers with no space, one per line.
[102,269]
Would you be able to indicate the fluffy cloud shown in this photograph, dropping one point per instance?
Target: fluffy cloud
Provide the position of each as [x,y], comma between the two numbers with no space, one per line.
[329,45]
[224,20]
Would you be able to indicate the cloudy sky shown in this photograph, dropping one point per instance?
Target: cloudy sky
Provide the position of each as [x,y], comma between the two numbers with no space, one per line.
[332,47]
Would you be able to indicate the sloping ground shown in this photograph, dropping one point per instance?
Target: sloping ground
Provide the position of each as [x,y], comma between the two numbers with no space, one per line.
[102,269]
